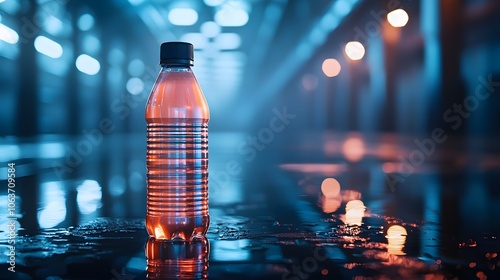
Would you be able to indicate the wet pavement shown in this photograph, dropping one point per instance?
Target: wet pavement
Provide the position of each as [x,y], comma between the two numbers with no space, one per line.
[308,206]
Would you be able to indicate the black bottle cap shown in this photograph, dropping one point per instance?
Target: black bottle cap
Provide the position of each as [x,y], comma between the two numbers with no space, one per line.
[177,53]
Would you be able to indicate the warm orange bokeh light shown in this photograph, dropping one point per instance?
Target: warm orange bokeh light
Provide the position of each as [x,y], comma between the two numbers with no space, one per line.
[330,187]
[331,67]
[396,236]
[353,148]
[398,18]
[354,50]
[354,213]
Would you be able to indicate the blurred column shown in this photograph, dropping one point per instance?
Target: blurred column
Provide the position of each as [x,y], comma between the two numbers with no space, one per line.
[430,16]
[339,105]
[27,98]
[375,100]
[451,33]
[390,58]
[442,33]
[27,190]
[104,102]
[330,103]
[452,91]
[353,97]
[432,216]
[72,81]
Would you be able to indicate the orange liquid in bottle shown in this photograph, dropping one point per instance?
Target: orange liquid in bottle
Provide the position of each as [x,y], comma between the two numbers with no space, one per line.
[177,118]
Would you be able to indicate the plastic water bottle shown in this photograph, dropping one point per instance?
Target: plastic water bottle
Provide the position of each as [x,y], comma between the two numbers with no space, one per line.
[172,260]
[177,118]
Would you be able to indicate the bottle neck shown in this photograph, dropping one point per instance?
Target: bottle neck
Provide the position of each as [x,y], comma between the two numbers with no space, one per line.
[175,68]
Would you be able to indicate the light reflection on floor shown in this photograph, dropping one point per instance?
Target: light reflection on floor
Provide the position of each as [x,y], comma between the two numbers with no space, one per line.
[331,194]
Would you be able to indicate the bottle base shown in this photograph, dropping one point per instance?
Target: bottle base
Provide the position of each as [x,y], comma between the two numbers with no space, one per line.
[179,229]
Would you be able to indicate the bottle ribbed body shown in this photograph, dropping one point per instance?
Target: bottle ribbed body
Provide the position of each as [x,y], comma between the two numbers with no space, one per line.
[177,179]
[177,157]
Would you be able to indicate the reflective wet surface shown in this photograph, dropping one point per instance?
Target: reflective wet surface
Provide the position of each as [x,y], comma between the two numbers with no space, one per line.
[300,206]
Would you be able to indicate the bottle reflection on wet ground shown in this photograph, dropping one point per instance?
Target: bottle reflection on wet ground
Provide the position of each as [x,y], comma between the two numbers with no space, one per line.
[177,260]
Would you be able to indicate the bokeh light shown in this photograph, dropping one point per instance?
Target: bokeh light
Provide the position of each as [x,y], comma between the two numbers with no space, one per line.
[91,44]
[85,22]
[309,82]
[183,16]
[231,15]
[331,67]
[210,29]
[135,86]
[227,41]
[342,7]
[330,205]
[136,68]
[398,18]
[330,187]
[136,2]
[8,35]
[53,210]
[213,3]
[396,237]
[88,196]
[198,40]
[48,47]
[353,148]
[354,50]
[354,212]
[53,25]
[87,64]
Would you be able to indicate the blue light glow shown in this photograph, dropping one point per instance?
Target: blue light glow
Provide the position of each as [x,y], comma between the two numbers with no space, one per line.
[53,25]
[198,40]
[329,22]
[115,75]
[53,211]
[213,3]
[116,57]
[87,64]
[117,185]
[342,8]
[231,250]
[48,47]
[135,263]
[51,150]
[91,44]
[136,68]
[136,2]
[183,16]
[89,196]
[9,152]
[231,15]
[85,22]
[135,86]
[228,41]
[210,29]
[8,35]
[10,7]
